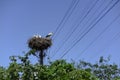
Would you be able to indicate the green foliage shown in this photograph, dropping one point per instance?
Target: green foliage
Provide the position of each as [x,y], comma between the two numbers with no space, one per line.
[65,71]
[58,70]
[103,70]
[2,73]
[21,68]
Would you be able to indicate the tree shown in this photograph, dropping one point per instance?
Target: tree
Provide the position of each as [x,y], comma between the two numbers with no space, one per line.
[57,70]
[103,70]
[2,73]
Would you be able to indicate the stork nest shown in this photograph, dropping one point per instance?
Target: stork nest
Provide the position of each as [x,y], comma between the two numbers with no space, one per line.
[39,43]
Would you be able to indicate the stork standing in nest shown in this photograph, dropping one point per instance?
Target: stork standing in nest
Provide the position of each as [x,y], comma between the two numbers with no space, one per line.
[40,44]
[49,35]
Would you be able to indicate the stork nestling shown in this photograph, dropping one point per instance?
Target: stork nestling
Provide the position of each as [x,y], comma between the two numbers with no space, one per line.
[49,35]
[37,36]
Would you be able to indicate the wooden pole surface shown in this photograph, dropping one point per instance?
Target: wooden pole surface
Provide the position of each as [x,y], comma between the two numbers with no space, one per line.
[41,56]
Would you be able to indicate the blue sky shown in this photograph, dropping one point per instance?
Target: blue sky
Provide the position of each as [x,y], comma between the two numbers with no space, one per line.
[21,19]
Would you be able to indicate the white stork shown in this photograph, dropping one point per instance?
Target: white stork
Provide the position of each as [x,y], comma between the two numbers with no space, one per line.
[37,36]
[49,35]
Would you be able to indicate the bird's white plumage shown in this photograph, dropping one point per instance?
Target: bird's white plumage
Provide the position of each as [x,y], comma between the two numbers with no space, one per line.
[49,34]
[37,36]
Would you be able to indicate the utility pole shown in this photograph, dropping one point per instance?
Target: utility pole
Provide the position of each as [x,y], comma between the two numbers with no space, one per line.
[41,56]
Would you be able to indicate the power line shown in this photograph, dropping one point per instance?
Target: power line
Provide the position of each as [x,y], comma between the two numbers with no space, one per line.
[76,26]
[117,36]
[100,34]
[95,18]
[69,12]
[98,16]
[89,29]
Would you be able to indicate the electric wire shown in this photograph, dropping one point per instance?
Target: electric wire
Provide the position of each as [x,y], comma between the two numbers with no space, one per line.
[69,12]
[105,29]
[99,14]
[95,19]
[75,27]
[90,28]
[116,37]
